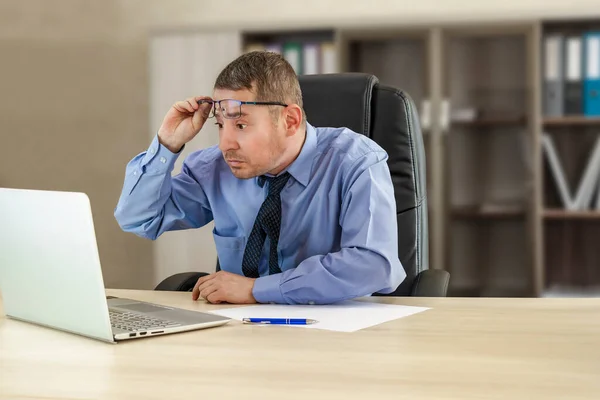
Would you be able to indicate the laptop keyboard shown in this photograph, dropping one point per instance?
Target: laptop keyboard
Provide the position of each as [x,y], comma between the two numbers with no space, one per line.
[134,322]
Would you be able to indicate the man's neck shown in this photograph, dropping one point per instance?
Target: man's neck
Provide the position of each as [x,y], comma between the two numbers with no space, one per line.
[294,151]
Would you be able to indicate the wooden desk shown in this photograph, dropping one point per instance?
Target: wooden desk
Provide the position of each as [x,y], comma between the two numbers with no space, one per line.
[460,349]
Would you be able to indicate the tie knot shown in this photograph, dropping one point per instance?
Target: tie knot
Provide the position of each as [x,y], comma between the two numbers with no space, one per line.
[276,183]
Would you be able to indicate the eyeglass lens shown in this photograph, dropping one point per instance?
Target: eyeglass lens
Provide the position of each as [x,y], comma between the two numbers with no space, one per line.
[229,109]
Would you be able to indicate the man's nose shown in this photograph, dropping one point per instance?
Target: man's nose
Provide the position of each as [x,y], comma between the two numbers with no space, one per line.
[227,138]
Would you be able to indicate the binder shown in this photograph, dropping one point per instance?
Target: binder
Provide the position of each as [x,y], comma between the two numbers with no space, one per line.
[573,76]
[273,47]
[553,76]
[598,195]
[589,180]
[254,47]
[591,84]
[588,183]
[558,172]
[328,58]
[310,58]
[292,52]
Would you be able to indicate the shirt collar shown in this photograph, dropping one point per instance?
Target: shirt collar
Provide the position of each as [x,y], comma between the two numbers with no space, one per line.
[300,169]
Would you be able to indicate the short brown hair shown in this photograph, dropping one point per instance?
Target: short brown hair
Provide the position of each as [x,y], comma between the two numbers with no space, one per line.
[266,73]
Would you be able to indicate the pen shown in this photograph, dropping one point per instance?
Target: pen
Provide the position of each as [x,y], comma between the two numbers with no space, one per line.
[280,321]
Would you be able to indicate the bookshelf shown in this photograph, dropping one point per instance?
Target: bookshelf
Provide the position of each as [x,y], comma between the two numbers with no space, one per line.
[485,86]
[497,221]
[569,258]
[309,52]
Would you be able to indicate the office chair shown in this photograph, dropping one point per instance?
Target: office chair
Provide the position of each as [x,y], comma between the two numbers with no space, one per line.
[389,117]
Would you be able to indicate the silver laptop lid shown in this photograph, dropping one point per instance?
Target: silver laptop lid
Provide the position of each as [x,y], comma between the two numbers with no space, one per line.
[49,265]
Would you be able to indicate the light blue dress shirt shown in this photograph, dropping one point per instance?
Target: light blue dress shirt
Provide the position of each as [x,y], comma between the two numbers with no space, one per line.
[339,237]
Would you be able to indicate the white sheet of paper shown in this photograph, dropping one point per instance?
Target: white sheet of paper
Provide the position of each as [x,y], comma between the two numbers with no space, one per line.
[346,316]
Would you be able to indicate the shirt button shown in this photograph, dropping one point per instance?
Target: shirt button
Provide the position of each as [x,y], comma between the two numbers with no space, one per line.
[152,151]
[134,173]
[163,160]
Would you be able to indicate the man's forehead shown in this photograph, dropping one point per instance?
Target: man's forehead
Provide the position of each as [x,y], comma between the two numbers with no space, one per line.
[242,95]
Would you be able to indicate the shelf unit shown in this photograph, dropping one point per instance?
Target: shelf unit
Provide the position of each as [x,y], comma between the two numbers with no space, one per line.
[496,222]
[570,255]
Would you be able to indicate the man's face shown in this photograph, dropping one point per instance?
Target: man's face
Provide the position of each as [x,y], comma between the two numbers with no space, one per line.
[252,144]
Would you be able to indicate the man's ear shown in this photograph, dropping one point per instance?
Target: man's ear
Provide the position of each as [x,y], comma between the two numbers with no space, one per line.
[293,119]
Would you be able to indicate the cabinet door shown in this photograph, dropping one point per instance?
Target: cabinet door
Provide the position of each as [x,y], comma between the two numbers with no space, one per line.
[184,65]
[487,139]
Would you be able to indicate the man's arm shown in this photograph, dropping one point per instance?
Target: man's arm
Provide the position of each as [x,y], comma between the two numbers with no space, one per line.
[368,260]
[152,202]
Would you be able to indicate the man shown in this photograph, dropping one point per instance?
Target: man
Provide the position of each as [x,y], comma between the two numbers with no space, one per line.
[302,215]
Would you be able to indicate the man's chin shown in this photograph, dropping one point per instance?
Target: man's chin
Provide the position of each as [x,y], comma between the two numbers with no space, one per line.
[242,173]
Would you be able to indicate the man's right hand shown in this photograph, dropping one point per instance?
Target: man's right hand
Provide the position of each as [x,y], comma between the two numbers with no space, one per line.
[183,122]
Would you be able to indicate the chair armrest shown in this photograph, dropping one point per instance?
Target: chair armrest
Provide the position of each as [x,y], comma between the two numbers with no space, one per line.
[182,282]
[431,283]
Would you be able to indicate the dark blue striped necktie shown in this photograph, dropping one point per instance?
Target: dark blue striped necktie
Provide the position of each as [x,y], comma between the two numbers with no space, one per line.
[267,223]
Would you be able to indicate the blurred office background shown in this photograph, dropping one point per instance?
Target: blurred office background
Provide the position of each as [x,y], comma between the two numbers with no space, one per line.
[507,93]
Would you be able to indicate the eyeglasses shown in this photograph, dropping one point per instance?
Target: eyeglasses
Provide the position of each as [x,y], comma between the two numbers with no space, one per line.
[232,109]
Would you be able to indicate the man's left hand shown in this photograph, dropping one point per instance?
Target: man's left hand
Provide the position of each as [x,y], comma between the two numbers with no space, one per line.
[223,287]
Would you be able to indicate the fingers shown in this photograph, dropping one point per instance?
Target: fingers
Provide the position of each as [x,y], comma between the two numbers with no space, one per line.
[200,115]
[192,102]
[215,297]
[183,107]
[189,105]
[205,109]
[201,280]
[208,288]
[207,98]
[204,106]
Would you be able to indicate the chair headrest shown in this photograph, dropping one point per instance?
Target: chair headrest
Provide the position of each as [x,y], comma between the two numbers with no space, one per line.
[339,100]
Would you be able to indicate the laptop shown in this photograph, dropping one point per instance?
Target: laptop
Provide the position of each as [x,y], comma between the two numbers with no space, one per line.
[50,273]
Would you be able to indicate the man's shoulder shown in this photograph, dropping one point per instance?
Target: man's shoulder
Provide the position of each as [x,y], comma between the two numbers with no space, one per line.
[347,145]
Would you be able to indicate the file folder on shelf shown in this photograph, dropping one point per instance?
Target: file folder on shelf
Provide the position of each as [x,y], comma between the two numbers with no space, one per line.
[589,181]
[311,59]
[591,84]
[292,52]
[553,76]
[329,64]
[558,172]
[273,47]
[254,47]
[573,76]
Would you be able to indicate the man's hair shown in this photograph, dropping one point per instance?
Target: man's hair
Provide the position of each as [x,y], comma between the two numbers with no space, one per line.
[267,74]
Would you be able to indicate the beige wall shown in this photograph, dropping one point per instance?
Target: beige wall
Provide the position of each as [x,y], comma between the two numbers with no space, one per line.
[74,86]
[73,111]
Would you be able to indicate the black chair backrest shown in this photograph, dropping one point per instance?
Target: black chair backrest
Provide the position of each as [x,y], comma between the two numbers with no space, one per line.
[389,117]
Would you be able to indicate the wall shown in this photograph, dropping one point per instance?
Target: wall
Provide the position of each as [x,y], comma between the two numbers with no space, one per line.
[74,86]
[73,111]
[258,13]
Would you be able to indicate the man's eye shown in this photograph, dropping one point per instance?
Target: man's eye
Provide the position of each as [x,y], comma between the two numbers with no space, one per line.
[241,126]
[219,125]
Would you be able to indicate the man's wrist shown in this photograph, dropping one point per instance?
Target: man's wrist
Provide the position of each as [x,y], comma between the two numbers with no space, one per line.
[253,299]
[172,147]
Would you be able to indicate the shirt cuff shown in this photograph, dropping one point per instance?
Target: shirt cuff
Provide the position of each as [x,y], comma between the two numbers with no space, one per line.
[159,159]
[267,289]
